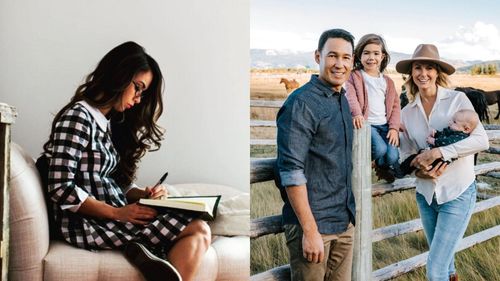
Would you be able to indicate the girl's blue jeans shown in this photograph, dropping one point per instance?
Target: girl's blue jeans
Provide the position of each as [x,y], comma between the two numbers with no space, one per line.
[384,154]
[444,226]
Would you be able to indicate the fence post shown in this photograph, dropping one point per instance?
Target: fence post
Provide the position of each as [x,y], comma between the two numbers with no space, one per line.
[362,189]
[7,116]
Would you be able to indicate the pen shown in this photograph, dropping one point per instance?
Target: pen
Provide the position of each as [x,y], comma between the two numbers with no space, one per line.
[162,179]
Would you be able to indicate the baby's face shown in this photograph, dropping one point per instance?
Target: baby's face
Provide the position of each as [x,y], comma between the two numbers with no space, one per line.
[459,123]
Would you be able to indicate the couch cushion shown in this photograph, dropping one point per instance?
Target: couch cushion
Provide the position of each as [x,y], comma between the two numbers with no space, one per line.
[233,254]
[67,263]
[29,232]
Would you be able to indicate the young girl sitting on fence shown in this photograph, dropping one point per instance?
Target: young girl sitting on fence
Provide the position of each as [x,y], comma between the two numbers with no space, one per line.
[372,97]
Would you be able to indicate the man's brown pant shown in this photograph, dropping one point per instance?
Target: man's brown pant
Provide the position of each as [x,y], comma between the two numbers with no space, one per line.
[337,264]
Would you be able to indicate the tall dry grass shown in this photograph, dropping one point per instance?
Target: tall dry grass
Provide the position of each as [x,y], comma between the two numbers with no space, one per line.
[479,263]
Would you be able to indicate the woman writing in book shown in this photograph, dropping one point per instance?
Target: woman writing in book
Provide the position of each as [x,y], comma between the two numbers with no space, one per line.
[95,144]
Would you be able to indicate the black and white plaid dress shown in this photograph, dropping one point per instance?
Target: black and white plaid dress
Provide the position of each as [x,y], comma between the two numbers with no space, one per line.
[82,159]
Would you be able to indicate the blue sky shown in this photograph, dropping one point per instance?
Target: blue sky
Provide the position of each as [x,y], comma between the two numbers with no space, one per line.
[465,30]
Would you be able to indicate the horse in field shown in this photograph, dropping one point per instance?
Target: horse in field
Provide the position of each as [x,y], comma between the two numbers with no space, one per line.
[290,85]
[479,102]
[492,97]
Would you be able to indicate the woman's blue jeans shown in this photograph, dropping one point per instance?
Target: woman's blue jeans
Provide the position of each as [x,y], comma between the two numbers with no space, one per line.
[384,154]
[444,226]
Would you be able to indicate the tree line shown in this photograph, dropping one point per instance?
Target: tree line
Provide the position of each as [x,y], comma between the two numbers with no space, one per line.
[484,69]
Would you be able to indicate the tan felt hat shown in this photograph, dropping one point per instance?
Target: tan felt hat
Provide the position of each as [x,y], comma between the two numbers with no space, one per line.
[424,52]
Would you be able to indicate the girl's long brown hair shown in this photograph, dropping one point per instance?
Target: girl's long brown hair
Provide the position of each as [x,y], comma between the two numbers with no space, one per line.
[134,131]
[366,40]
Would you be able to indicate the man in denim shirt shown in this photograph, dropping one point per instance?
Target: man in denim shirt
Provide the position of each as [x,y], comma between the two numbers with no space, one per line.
[315,163]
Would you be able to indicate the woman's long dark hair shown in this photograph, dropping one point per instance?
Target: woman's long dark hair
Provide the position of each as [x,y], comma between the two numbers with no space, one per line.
[135,131]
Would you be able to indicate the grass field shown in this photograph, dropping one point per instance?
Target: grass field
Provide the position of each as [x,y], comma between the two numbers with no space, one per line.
[476,264]
[266,86]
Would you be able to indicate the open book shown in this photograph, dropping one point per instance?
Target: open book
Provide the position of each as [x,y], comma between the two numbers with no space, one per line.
[205,205]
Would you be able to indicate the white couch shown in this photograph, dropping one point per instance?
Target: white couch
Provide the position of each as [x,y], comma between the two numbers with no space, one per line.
[33,257]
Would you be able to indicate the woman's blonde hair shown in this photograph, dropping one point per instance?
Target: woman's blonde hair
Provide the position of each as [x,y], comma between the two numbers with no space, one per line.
[441,80]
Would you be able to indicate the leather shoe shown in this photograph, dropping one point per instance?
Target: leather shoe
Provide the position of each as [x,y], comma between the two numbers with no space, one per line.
[152,267]
[384,174]
[454,277]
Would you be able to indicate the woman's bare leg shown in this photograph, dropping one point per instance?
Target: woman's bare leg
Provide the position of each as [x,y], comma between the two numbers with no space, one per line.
[190,246]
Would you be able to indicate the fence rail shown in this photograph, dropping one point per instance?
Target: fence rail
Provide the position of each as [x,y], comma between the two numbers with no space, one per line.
[493,132]
[267,103]
[279,103]
[262,169]
[405,266]
[393,270]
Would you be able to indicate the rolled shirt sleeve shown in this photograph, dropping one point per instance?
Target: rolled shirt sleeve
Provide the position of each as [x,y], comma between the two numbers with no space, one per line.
[82,196]
[476,142]
[296,126]
[71,137]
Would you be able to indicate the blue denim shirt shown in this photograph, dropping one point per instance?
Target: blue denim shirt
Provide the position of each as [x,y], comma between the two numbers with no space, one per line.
[315,148]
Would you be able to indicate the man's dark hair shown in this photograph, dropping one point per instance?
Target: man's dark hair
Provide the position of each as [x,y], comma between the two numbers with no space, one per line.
[335,33]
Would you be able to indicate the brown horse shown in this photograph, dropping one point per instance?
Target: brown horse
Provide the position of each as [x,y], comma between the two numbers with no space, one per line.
[492,97]
[290,85]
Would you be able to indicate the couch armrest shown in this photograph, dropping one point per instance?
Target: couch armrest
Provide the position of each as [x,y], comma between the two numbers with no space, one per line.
[29,229]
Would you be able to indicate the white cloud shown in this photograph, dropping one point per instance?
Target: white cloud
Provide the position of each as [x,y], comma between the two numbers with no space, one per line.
[402,44]
[285,40]
[479,42]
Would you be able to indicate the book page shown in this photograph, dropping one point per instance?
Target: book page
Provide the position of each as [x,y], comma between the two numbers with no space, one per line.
[187,200]
[199,201]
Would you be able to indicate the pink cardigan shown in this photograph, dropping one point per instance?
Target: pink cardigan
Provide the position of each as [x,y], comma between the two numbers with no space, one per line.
[357,96]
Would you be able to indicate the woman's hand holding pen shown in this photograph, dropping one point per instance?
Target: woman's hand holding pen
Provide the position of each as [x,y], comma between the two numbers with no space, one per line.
[156,192]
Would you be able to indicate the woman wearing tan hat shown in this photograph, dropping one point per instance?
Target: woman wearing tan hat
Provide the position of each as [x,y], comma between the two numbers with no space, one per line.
[446,193]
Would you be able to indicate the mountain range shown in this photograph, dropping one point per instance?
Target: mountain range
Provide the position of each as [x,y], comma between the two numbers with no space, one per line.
[272,58]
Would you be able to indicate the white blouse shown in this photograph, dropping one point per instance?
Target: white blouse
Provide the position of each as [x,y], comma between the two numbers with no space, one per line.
[460,173]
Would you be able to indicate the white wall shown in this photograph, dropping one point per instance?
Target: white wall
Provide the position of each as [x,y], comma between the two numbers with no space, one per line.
[47,48]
